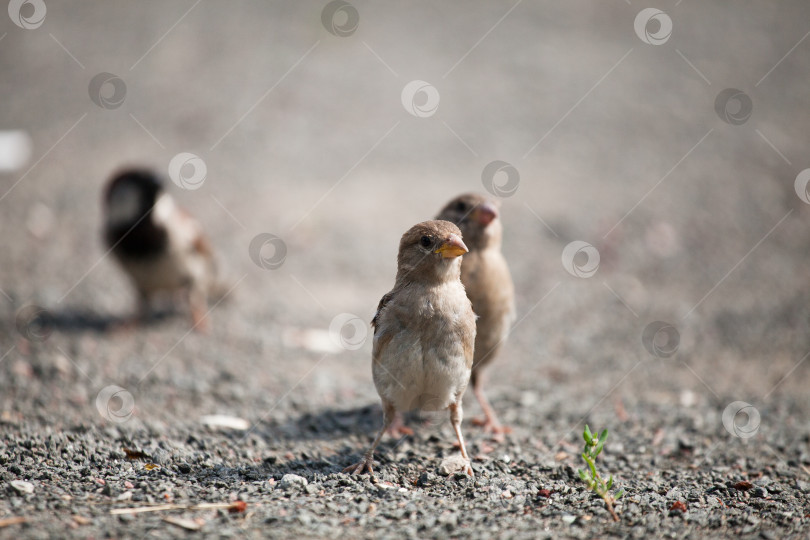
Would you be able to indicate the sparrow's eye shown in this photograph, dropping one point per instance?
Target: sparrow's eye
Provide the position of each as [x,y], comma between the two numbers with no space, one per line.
[461,206]
[425,241]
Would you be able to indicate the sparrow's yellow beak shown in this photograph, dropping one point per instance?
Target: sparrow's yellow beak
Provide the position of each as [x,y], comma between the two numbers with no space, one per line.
[452,247]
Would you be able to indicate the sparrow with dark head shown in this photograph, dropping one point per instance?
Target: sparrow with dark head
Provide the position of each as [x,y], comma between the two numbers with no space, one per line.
[160,246]
[486,278]
[424,332]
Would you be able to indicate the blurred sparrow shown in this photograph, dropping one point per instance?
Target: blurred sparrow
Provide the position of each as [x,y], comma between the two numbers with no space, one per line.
[424,331]
[160,246]
[486,278]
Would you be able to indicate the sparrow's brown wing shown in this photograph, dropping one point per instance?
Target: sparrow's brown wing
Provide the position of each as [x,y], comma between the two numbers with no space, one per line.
[375,322]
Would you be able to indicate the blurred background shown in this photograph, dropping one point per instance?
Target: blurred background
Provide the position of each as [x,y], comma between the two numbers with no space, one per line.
[615,121]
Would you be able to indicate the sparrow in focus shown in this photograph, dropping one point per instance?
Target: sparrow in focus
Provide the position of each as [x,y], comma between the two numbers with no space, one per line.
[424,332]
[486,278]
[159,245]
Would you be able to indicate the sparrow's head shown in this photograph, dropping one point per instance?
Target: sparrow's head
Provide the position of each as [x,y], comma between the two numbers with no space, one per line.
[130,195]
[430,251]
[477,217]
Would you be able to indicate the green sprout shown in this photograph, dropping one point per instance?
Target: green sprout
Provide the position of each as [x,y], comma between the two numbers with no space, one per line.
[593,447]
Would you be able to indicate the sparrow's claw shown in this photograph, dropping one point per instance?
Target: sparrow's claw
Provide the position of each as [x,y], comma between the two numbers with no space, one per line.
[468,470]
[359,468]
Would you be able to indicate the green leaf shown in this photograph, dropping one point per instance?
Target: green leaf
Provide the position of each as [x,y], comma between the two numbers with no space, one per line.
[619,494]
[593,468]
[598,449]
[587,435]
[583,475]
[610,482]
[603,436]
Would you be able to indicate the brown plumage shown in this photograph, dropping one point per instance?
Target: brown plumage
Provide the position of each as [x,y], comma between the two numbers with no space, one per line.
[486,278]
[424,332]
[161,247]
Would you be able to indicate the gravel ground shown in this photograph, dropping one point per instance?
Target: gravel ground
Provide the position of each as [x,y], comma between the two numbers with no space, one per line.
[688,342]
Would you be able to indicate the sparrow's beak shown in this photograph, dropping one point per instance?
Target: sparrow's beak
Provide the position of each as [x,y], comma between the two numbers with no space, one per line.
[485,213]
[452,247]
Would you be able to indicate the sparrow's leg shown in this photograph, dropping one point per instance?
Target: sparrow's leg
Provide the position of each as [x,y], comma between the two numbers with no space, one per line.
[456,413]
[490,422]
[366,463]
[398,428]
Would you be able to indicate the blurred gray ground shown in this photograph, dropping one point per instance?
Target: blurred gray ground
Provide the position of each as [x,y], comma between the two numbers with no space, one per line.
[617,143]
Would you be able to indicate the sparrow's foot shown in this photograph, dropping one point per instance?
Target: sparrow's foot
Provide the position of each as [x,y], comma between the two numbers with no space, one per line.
[492,426]
[468,469]
[398,429]
[360,468]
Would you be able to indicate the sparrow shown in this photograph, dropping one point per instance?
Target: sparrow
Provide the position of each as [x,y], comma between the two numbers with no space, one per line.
[424,333]
[161,247]
[488,283]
